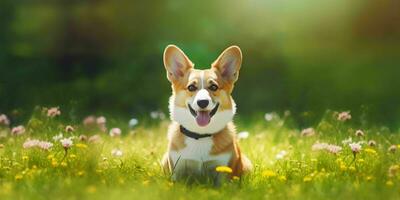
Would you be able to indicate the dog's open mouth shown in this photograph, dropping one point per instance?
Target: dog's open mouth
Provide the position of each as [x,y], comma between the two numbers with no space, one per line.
[203,118]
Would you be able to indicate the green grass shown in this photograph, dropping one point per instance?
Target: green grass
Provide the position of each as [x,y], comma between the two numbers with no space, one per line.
[89,171]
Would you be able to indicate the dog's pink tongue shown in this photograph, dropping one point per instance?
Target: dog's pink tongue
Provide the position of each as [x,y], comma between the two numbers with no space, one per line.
[203,118]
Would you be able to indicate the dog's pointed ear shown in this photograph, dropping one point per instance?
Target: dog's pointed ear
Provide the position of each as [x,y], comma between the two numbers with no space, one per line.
[176,63]
[228,64]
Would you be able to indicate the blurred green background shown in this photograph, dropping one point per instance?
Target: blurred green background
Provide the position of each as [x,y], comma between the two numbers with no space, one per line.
[305,56]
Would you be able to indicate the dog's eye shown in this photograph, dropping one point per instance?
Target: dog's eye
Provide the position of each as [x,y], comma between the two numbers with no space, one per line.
[213,87]
[192,88]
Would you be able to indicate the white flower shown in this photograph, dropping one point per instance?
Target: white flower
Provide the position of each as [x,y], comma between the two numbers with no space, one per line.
[157,115]
[355,147]
[115,132]
[359,133]
[69,128]
[392,148]
[116,152]
[133,122]
[58,137]
[269,116]
[371,143]
[281,155]
[154,114]
[4,120]
[308,132]
[101,120]
[66,142]
[347,141]
[243,135]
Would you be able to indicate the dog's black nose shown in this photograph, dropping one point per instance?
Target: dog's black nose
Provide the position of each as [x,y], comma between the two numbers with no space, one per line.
[202,103]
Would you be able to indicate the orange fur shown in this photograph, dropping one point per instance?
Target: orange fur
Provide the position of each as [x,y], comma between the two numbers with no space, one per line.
[181,74]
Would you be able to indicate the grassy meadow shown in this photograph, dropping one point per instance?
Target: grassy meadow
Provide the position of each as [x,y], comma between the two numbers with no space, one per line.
[102,158]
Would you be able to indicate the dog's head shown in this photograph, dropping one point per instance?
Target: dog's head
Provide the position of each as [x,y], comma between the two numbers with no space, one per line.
[201,99]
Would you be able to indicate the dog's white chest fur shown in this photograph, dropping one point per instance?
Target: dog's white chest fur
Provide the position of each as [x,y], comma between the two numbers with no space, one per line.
[196,154]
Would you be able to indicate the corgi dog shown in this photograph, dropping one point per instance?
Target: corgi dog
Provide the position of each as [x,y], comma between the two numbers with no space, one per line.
[202,135]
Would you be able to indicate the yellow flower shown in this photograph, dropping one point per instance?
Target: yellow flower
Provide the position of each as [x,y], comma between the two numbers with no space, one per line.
[54,163]
[51,156]
[146,182]
[282,178]
[18,177]
[223,169]
[25,158]
[64,164]
[307,179]
[91,189]
[81,146]
[268,173]
[368,178]
[370,151]
[343,167]
[389,183]
[81,173]
[72,156]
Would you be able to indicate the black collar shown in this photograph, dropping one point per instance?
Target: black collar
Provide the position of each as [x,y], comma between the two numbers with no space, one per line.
[193,135]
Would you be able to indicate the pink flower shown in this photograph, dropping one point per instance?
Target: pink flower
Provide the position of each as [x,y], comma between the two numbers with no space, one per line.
[319,146]
[30,144]
[18,130]
[115,132]
[66,143]
[94,139]
[89,120]
[334,149]
[69,129]
[45,145]
[101,122]
[331,148]
[4,120]
[37,143]
[355,147]
[308,132]
[344,116]
[52,112]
